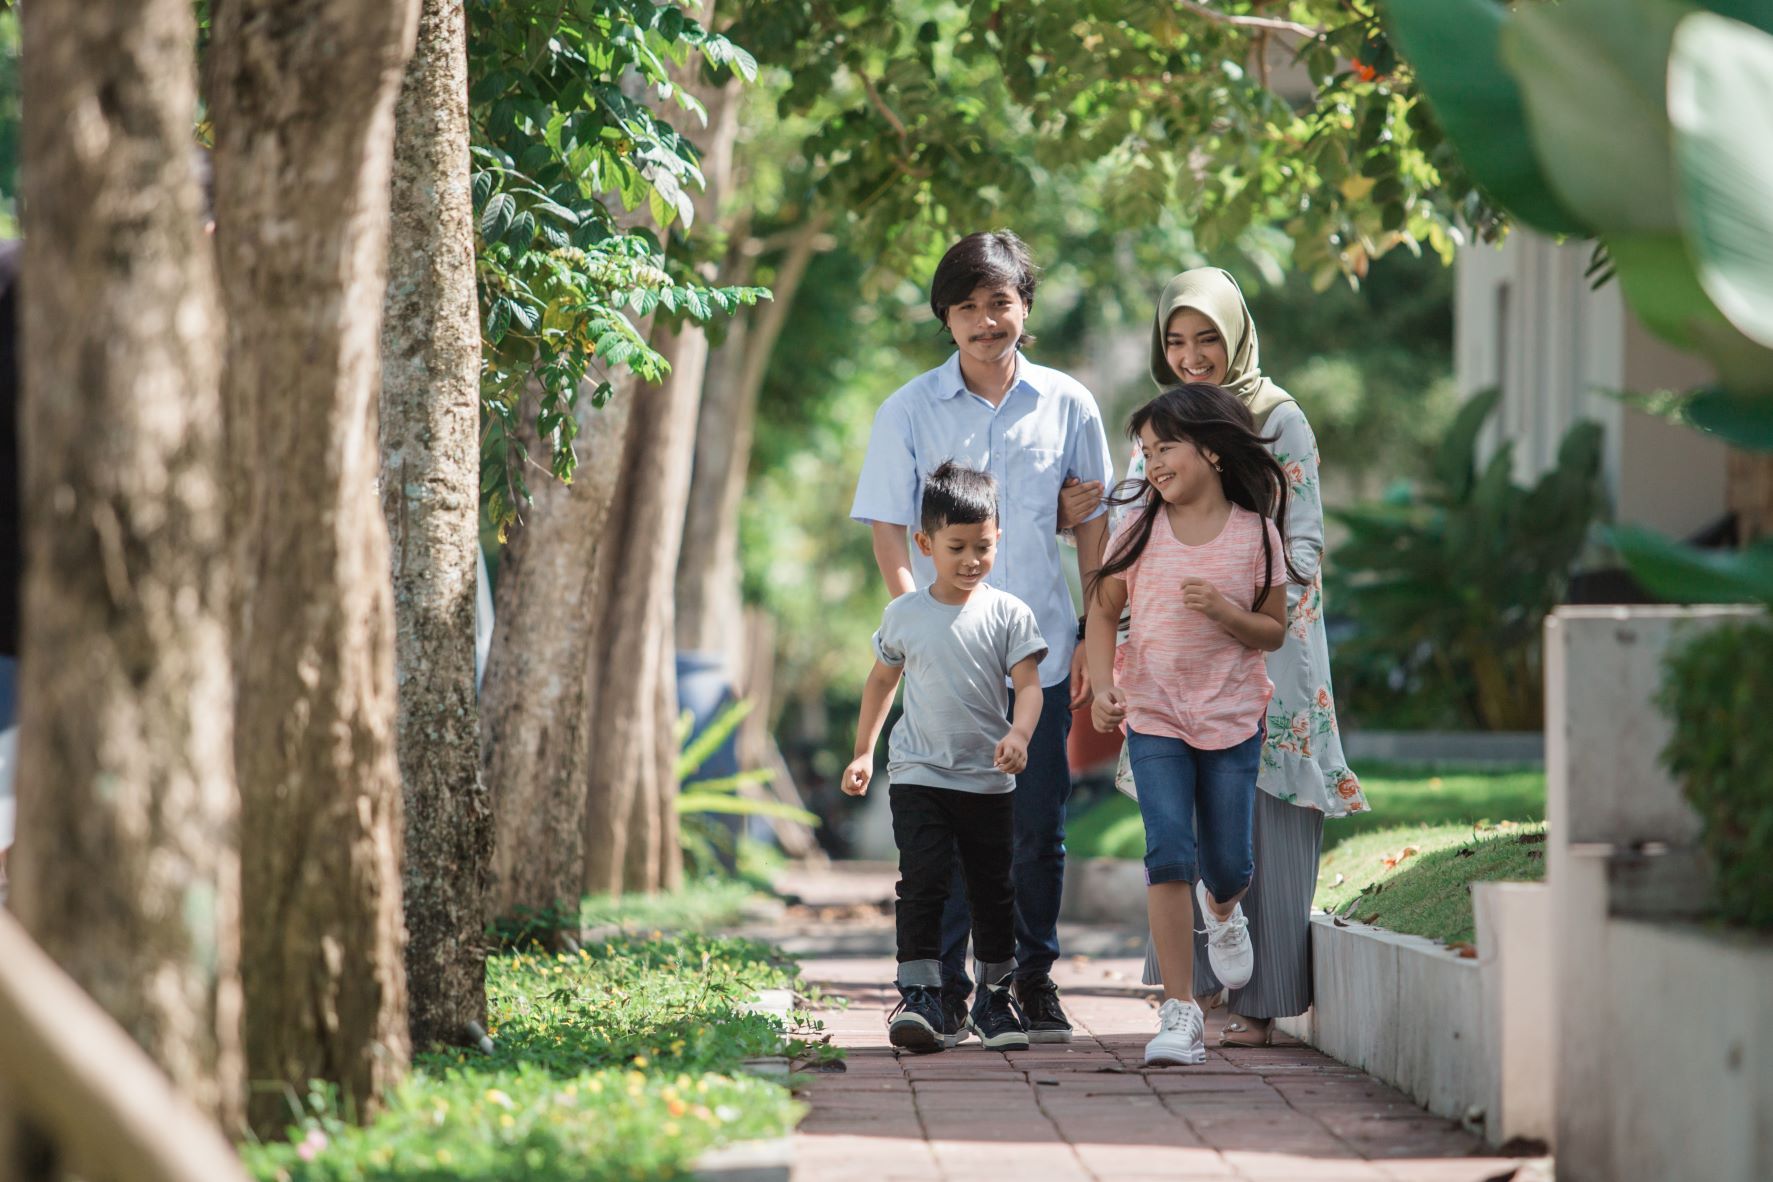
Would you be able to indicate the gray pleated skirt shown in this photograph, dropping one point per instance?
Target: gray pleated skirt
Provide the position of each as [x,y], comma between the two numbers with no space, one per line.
[1278,907]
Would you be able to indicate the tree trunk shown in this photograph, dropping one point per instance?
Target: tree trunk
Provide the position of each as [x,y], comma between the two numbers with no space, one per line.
[633,698]
[430,417]
[126,870]
[304,115]
[708,599]
[633,680]
[534,718]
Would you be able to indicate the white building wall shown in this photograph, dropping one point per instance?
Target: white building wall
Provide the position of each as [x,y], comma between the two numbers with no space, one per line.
[1525,318]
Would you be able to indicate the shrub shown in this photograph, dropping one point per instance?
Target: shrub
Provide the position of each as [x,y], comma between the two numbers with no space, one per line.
[1452,583]
[1716,690]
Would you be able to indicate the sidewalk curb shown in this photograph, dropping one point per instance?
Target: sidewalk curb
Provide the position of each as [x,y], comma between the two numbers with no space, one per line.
[778,1004]
[747,1161]
[769,1160]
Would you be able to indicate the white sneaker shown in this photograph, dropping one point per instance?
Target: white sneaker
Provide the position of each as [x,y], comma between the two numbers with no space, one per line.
[1181,1036]
[1228,942]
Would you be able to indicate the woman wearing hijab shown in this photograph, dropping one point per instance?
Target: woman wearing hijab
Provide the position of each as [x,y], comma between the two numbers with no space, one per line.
[1203,333]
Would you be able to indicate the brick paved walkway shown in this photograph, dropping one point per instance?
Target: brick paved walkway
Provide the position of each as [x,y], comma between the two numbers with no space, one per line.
[1089,1110]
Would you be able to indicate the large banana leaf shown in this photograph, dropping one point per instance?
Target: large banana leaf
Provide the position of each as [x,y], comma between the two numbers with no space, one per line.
[1742,420]
[1453,47]
[1685,574]
[1720,104]
[1592,77]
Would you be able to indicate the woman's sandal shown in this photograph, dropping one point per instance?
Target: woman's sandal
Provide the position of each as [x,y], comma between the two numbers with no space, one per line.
[1241,1032]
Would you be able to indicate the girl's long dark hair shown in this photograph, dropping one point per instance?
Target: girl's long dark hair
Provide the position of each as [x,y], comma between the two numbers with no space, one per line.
[1216,421]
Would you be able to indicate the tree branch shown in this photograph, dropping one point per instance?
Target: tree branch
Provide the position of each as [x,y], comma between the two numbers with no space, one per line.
[886,112]
[1252,22]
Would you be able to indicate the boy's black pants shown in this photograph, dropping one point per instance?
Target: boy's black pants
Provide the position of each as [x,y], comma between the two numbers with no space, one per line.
[930,827]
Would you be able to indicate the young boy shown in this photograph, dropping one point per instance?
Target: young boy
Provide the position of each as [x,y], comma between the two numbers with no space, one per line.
[1031,428]
[952,758]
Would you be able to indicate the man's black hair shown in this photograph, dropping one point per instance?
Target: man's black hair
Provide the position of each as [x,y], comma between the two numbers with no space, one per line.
[955,494]
[995,258]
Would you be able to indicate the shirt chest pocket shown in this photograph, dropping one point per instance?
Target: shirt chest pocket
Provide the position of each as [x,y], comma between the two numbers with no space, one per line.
[1035,476]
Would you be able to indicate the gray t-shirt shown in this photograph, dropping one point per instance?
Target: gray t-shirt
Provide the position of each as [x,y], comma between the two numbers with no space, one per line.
[956,661]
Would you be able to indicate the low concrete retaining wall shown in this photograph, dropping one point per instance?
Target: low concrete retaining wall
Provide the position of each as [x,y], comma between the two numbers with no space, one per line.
[1104,890]
[1403,1009]
[1497,748]
[1465,1037]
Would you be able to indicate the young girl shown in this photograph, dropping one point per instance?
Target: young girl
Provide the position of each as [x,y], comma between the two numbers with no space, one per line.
[1201,569]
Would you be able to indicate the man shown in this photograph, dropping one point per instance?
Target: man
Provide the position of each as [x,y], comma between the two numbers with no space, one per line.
[1032,428]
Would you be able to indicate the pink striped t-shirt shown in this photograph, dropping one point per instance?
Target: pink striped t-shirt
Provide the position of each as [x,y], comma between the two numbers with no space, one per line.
[1185,677]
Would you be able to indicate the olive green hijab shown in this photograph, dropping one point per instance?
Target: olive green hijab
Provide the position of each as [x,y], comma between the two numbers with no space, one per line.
[1215,294]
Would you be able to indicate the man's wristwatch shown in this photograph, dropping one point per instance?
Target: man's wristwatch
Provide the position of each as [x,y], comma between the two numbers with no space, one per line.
[1080,626]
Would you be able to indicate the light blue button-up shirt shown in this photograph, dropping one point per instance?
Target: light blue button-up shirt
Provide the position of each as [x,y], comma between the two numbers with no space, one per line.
[1046,428]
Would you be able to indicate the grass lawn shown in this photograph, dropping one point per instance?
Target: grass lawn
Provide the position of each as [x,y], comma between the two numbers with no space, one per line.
[1432,812]
[1415,879]
[699,906]
[620,1061]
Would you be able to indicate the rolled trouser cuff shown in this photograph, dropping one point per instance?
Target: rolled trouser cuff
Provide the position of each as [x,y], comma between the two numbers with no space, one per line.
[996,973]
[920,972]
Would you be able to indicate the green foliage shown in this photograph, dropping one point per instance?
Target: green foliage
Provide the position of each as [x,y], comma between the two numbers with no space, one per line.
[1451,584]
[1455,48]
[700,905]
[562,146]
[1716,689]
[1372,366]
[1663,93]
[927,119]
[709,846]
[1718,73]
[620,1062]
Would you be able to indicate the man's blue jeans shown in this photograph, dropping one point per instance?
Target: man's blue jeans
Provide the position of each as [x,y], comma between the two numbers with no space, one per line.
[1039,868]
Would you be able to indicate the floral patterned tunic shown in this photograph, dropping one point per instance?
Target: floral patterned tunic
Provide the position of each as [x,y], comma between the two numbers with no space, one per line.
[1302,761]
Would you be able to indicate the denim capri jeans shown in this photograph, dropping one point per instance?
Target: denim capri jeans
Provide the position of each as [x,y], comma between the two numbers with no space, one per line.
[1177,784]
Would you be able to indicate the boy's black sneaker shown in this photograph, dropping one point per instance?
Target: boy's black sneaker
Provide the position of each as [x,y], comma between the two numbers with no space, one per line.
[916,1024]
[1039,998]
[955,1026]
[997,1020]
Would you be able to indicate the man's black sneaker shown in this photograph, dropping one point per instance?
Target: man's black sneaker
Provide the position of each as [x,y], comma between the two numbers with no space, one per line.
[916,1024]
[955,1026]
[997,1021]
[1039,998]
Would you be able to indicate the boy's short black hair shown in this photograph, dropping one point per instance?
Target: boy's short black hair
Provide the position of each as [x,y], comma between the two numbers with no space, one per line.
[994,258]
[955,494]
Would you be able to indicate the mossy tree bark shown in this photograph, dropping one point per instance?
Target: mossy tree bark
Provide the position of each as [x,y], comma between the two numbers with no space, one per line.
[430,418]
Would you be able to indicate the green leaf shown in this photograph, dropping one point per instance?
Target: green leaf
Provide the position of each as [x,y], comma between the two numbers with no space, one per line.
[1659,280]
[718,730]
[1592,73]
[1744,421]
[1454,48]
[497,218]
[1684,574]
[739,806]
[1720,104]
[735,782]
[1454,468]
[498,320]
